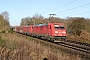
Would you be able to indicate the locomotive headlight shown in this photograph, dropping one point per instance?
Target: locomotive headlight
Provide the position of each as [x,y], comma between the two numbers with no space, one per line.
[56,31]
[63,32]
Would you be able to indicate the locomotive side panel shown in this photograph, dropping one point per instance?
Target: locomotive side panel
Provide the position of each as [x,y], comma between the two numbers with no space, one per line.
[40,30]
[25,30]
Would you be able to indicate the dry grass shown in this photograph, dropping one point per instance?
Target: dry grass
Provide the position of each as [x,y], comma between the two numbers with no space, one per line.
[84,37]
[30,50]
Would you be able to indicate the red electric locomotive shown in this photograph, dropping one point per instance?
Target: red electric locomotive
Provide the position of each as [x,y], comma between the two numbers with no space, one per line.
[54,31]
[27,30]
[51,31]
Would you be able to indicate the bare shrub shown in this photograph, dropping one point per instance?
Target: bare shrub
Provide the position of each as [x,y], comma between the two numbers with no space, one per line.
[29,50]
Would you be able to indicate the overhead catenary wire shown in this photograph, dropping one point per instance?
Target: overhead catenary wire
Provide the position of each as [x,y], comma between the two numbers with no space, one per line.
[73,8]
[80,13]
[77,13]
[62,6]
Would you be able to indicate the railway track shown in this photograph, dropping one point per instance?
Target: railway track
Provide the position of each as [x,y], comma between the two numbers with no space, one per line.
[75,46]
[80,43]
[78,46]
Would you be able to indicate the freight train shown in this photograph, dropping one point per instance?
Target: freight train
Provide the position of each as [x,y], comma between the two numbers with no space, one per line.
[50,31]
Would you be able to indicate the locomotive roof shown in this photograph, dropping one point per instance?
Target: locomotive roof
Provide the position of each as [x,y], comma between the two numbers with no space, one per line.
[47,24]
[41,24]
[25,26]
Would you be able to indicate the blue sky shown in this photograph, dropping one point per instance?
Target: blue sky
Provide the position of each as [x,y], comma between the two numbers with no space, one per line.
[19,9]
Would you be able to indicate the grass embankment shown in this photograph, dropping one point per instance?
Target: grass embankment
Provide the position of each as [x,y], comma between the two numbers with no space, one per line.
[84,37]
[18,47]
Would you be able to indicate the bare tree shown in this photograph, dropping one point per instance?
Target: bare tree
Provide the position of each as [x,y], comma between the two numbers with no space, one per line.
[5,15]
[36,19]
[1,21]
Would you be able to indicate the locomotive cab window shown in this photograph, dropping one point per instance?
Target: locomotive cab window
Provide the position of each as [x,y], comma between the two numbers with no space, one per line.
[58,27]
[61,27]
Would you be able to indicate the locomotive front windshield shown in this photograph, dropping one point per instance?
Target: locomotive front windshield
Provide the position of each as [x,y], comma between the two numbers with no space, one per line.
[58,27]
